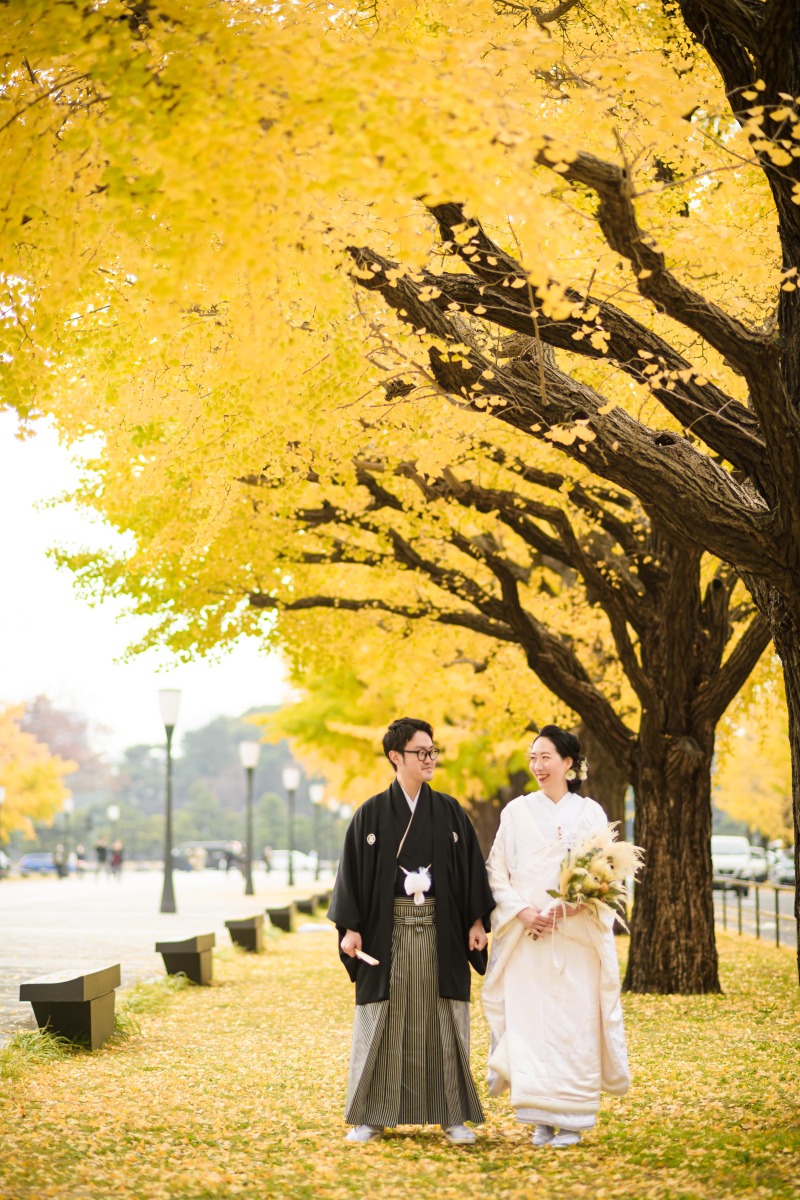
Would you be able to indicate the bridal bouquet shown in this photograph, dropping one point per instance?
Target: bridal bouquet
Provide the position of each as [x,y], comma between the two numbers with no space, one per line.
[595,873]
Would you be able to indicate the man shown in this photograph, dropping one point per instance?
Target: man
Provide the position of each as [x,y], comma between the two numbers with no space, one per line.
[412,893]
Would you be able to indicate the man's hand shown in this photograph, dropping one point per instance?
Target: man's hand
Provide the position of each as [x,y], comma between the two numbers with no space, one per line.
[477,936]
[351,942]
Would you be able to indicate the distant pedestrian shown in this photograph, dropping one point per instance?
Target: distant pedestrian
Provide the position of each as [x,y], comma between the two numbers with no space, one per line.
[197,856]
[80,859]
[117,855]
[60,861]
[101,850]
[267,855]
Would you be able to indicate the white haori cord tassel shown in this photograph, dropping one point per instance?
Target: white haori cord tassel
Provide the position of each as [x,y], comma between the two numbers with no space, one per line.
[418,883]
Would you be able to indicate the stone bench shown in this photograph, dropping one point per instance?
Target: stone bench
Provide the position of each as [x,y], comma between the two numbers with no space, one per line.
[282,918]
[76,1004]
[308,905]
[248,932]
[190,957]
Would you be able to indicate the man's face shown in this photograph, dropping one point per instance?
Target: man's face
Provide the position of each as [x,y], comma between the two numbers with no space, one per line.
[410,771]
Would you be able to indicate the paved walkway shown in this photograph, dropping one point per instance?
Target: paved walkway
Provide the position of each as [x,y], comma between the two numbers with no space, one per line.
[49,924]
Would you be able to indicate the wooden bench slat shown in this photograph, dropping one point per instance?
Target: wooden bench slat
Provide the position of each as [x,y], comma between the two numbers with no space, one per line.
[72,985]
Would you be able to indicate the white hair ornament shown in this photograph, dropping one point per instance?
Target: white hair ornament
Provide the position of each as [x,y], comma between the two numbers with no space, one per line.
[581,773]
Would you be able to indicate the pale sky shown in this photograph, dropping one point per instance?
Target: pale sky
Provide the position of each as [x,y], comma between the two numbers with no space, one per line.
[51,641]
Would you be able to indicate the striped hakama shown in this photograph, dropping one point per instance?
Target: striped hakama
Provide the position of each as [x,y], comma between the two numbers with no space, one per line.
[409,1063]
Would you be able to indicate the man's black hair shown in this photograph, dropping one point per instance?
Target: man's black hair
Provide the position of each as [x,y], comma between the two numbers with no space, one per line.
[400,733]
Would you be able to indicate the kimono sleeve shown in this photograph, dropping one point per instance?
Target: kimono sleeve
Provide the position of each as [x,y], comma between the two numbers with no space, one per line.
[344,909]
[508,902]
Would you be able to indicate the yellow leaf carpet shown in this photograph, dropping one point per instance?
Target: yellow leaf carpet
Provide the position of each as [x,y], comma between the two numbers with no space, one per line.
[237,1090]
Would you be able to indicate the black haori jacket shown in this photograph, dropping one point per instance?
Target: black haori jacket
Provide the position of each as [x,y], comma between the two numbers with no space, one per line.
[363,895]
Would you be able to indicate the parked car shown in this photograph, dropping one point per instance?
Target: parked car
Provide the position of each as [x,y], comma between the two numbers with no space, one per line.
[302,864]
[729,857]
[5,863]
[782,870]
[757,868]
[37,862]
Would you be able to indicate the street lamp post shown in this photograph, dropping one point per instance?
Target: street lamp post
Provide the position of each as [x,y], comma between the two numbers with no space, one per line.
[332,810]
[291,781]
[169,700]
[316,792]
[248,756]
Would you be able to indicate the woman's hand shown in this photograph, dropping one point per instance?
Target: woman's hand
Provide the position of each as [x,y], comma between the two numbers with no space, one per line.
[351,942]
[546,922]
[529,917]
[477,936]
[538,923]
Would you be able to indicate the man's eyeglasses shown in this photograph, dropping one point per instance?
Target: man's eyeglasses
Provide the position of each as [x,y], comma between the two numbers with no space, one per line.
[424,755]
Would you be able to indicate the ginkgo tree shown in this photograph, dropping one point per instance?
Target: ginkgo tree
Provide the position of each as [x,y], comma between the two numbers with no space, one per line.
[32,777]
[646,641]
[193,186]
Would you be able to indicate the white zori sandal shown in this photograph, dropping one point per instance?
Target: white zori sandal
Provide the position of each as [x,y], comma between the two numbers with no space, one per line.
[459,1135]
[364,1133]
[566,1137]
[542,1135]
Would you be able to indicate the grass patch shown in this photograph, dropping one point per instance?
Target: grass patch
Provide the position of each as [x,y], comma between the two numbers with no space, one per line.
[40,1047]
[237,1092]
[152,995]
[34,1047]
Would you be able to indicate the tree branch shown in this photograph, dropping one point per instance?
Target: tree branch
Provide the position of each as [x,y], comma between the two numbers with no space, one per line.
[724,424]
[464,619]
[718,693]
[692,496]
[743,19]
[749,350]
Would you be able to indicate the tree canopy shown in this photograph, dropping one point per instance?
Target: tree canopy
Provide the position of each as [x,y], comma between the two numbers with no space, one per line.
[195,187]
[32,777]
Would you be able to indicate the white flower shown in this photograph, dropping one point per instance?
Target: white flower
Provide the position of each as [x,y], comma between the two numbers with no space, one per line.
[581,773]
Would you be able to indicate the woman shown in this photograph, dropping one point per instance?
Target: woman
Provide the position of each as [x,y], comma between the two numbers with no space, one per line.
[552,993]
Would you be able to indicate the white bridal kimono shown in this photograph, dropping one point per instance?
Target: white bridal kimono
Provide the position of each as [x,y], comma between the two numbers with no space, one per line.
[553,1005]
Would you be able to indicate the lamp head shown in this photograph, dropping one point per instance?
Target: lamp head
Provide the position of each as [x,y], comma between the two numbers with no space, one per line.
[68,806]
[249,754]
[316,792]
[169,700]
[291,777]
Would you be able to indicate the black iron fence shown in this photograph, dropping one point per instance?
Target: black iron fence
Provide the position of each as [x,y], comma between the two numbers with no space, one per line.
[762,911]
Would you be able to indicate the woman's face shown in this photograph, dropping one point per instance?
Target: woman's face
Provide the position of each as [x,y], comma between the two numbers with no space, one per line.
[547,765]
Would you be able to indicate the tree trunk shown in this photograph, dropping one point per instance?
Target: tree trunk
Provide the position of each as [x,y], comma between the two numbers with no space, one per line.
[672,931]
[609,779]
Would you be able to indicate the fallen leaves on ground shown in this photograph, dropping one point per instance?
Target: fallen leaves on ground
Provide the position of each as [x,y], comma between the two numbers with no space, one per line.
[237,1090]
